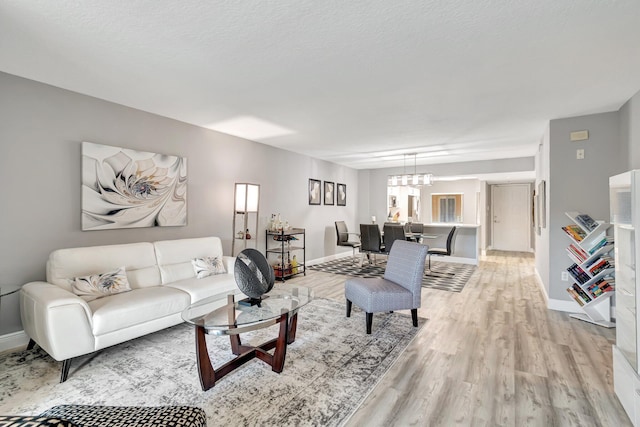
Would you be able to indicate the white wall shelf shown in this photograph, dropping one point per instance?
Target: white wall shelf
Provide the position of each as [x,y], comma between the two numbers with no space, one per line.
[625,211]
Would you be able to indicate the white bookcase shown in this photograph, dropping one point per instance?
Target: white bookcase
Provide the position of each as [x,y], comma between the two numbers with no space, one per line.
[592,271]
[624,197]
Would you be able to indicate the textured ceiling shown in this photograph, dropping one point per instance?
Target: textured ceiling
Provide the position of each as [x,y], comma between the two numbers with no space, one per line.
[358,83]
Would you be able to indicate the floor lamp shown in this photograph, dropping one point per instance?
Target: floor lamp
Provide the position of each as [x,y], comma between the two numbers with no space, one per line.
[246,201]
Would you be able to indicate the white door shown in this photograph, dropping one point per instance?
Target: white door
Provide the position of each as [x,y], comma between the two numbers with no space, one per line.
[511,216]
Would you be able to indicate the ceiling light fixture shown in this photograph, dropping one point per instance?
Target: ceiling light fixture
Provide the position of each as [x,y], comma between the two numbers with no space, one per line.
[414,179]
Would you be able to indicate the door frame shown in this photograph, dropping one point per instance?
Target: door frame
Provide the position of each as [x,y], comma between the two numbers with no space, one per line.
[530,202]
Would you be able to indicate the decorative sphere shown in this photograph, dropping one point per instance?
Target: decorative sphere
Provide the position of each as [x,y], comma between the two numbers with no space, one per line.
[254,276]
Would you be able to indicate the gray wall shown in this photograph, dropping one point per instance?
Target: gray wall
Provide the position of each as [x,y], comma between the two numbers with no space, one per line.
[613,147]
[41,129]
[468,187]
[630,133]
[578,185]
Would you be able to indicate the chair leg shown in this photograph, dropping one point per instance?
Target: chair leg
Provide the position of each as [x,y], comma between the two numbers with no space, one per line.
[438,273]
[66,363]
[414,317]
[369,322]
[349,308]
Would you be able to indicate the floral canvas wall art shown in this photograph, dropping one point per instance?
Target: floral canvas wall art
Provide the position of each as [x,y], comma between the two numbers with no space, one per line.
[123,188]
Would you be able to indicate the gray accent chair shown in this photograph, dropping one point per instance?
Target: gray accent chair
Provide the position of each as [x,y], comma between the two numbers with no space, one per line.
[399,289]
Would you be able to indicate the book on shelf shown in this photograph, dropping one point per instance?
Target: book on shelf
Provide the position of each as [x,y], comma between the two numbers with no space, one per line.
[575,232]
[579,294]
[606,284]
[578,252]
[605,241]
[587,222]
[575,296]
[583,295]
[578,274]
[600,264]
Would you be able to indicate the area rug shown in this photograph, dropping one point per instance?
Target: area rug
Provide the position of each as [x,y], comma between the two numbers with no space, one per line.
[446,276]
[329,370]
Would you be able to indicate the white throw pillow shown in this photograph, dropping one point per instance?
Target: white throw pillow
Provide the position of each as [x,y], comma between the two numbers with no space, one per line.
[101,285]
[207,266]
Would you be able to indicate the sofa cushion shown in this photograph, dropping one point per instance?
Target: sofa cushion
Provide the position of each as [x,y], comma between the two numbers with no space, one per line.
[101,285]
[139,259]
[174,256]
[208,266]
[138,306]
[199,289]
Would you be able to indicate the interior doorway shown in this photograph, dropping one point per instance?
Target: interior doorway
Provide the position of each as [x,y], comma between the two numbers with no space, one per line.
[511,217]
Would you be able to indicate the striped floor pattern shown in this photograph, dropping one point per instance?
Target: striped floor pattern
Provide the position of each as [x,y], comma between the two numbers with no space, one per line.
[444,276]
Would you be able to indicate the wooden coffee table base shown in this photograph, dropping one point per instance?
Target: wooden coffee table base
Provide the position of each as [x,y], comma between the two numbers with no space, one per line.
[245,353]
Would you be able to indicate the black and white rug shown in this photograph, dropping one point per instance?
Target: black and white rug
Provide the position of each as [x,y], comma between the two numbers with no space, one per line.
[445,276]
[329,370]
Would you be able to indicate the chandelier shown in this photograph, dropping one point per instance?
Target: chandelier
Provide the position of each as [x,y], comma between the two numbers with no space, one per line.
[410,178]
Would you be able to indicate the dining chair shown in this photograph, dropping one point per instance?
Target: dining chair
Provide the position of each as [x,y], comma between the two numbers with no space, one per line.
[342,237]
[371,241]
[443,251]
[399,288]
[417,227]
[392,232]
[413,228]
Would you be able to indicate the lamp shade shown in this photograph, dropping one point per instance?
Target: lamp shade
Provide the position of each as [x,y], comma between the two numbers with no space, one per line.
[410,180]
[247,197]
[428,179]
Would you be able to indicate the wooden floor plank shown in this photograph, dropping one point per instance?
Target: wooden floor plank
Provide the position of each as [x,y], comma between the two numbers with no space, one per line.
[492,355]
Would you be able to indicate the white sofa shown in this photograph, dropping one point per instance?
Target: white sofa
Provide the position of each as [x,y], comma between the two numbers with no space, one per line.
[162,280]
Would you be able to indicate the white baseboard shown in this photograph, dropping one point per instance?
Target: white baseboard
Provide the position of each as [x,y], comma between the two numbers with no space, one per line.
[330,258]
[456,260]
[13,340]
[541,285]
[556,304]
[453,259]
[567,306]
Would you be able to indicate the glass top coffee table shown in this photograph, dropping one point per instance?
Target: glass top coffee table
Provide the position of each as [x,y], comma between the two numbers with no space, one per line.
[215,316]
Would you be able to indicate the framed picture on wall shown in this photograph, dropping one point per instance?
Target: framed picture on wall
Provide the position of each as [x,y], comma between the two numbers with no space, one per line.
[341,195]
[314,191]
[115,179]
[542,204]
[328,193]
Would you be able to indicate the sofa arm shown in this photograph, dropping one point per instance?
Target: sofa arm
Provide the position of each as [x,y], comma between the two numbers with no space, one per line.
[58,320]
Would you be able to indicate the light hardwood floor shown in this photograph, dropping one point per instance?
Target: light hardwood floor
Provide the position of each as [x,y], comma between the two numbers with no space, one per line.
[492,355]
